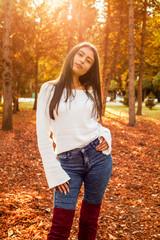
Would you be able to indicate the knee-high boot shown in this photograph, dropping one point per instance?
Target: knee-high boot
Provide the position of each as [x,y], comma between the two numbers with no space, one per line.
[88,221]
[61,224]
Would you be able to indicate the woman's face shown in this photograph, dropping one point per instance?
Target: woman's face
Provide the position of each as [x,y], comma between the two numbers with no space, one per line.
[83,60]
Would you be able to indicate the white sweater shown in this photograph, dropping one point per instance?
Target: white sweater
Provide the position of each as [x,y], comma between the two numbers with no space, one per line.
[72,128]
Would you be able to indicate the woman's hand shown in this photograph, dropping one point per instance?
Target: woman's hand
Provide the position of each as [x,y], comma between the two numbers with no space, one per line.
[103,145]
[63,188]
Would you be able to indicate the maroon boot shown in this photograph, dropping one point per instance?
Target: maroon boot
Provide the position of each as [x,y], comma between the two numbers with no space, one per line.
[88,221]
[61,224]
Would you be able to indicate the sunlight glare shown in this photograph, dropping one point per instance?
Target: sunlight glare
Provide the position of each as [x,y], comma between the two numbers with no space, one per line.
[38,2]
[52,3]
[100,4]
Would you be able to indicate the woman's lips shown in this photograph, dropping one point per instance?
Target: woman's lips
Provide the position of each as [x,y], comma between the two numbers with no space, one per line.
[78,65]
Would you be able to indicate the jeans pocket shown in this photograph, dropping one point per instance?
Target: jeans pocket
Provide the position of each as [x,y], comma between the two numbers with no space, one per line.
[94,144]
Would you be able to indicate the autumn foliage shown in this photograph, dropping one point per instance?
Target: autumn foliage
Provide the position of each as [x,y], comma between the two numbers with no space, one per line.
[130,208]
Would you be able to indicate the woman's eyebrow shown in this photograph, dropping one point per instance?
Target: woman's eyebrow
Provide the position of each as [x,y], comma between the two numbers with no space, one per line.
[87,56]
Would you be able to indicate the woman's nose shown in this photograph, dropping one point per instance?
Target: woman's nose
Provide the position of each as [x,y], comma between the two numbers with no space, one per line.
[82,59]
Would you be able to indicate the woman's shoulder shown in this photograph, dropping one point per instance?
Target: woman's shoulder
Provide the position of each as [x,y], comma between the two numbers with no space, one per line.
[48,85]
[53,82]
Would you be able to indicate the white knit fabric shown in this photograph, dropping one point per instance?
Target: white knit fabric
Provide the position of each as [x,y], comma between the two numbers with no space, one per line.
[72,128]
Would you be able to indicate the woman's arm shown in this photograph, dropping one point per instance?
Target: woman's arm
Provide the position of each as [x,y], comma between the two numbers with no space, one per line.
[54,173]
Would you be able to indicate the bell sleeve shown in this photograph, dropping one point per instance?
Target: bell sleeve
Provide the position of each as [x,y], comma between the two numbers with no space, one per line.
[55,174]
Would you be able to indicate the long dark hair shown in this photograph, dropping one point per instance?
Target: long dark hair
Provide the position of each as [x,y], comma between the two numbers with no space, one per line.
[89,79]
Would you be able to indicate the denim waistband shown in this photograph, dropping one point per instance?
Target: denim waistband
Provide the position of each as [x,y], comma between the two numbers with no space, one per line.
[94,143]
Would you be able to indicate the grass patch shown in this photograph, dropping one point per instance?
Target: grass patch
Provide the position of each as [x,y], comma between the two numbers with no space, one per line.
[122,111]
[26,105]
[22,105]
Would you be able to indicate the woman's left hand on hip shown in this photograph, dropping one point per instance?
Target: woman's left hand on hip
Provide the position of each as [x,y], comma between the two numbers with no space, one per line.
[103,145]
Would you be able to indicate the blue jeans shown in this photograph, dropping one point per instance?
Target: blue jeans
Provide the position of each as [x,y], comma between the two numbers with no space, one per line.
[86,165]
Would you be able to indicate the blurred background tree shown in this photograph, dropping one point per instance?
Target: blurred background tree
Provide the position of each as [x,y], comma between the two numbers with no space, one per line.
[6,66]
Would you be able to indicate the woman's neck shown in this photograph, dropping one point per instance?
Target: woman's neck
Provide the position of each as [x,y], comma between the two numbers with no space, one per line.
[76,81]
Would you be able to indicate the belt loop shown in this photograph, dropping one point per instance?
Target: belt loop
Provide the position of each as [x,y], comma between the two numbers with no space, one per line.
[68,154]
[92,144]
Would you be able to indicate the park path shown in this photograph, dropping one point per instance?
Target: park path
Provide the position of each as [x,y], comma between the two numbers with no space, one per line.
[131,203]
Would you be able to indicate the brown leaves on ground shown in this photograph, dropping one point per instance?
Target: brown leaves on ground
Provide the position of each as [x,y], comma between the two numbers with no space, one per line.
[130,208]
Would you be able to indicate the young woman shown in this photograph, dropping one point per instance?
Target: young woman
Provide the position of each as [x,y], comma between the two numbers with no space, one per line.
[69,108]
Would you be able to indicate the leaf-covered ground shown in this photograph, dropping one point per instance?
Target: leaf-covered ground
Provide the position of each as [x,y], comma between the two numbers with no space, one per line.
[130,208]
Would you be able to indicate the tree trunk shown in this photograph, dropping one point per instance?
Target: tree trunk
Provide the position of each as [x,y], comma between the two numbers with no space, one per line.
[141,68]
[106,47]
[6,70]
[108,80]
[132,120]
[15,104]
[144,94]
[36,82]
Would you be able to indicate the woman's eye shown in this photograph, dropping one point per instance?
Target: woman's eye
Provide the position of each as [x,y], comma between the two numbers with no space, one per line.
[80,54]
[89,61]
